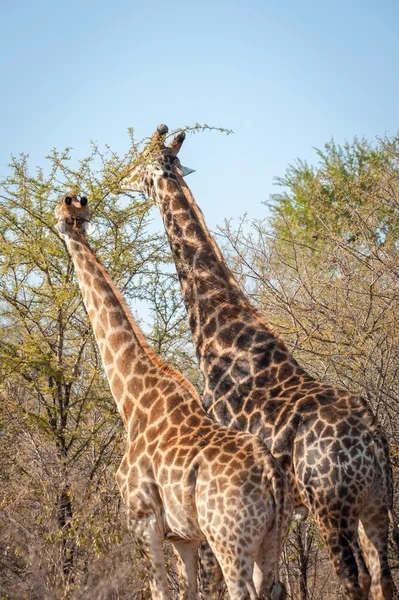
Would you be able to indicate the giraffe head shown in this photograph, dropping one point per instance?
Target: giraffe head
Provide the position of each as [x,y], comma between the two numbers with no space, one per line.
[157,160]
[72,212]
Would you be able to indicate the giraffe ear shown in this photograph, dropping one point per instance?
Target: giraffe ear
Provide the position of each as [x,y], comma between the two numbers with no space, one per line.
[61,227]
[186,170]
[88,228]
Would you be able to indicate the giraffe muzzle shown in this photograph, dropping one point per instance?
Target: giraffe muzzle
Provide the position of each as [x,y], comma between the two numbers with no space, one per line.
[76,223]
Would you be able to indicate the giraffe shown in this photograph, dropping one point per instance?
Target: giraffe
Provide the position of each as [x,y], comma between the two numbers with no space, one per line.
[184,477]
[326,439]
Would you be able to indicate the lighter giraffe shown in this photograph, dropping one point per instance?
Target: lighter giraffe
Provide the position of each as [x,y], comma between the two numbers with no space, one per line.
[184,477]
[326,438]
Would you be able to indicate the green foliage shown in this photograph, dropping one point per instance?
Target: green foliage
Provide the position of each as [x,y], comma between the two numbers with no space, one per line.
[339,194]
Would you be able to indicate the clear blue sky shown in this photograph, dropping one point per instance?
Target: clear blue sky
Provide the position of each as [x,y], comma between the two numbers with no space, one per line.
[286,76]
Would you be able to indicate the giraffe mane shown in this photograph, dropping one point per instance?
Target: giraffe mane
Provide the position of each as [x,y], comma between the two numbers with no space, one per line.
[152,355]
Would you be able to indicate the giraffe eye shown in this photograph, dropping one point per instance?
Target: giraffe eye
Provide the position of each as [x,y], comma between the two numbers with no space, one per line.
[83,201]
[68,200]
[176,161]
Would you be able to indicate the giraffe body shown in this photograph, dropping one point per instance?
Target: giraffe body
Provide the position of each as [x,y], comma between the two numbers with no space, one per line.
[326,438]
[184,477]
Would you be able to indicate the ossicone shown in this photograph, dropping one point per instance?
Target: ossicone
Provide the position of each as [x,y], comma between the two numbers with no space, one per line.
[180,136]
[162,129]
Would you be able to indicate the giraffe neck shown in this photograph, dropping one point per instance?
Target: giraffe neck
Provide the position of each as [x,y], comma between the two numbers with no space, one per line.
[208,286]
[133,369]
[238,350]
[210,291]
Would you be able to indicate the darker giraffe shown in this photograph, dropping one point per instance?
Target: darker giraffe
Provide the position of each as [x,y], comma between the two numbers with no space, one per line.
[184,477]
[326,438]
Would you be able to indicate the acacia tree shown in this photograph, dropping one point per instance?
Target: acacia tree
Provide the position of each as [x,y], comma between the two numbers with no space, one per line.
[324,269]
[60,436]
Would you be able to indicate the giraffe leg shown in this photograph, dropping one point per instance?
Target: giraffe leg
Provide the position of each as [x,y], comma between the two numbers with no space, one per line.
[212,584]
[373,533]
[150,544]
[364,578]
[187,568]
[265,565]
[345,556]
[237,567]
